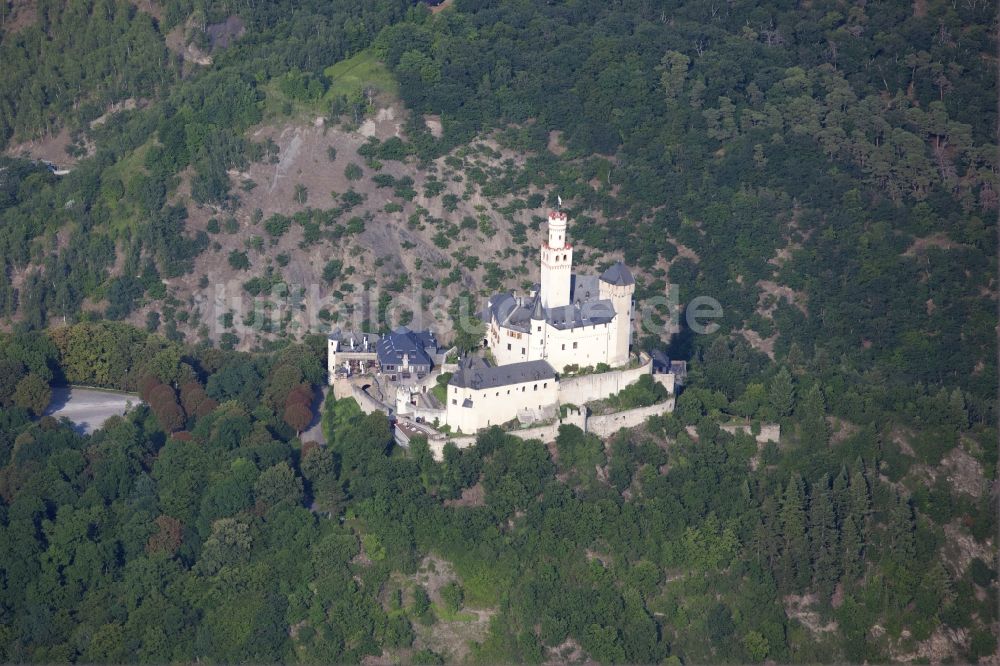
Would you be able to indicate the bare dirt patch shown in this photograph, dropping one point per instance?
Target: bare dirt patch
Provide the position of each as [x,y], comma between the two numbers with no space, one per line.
[568,652]
[129,104]
[779,292]
[800,608]
[685,251]
[961,548]
[450,638]
[783,254]
[51,148]
[434,126]
[943,645]
[964,473]
[765,345]
[556,146]
[939,241]
[19,16]
[840,429]
[389,247]
[388,122]
[176,41]
[471,496]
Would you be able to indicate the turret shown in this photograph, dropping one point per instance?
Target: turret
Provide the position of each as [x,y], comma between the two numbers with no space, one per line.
[618,286]
[557,263]
[557,230]
[536,341]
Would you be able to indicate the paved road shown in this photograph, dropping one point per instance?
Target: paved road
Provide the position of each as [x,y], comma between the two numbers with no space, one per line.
[88,409]
[314,433]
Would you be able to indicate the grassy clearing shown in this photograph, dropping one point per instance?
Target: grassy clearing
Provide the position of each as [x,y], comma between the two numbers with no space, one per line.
[124,214]
[364,69]
[347,78]
[445,615]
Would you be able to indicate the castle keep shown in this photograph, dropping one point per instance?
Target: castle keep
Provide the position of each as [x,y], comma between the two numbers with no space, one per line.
[568,319]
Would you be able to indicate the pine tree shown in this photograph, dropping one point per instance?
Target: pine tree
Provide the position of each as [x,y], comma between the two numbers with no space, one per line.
[794,570]
[782,393]
[824,541]
[852,561]
[901,530]
[812,416]
[934,591]
[957,414]
[861,500]
[766,540]
[841,496]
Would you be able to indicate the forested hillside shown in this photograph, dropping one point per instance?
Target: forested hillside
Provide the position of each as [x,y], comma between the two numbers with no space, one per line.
[827,171]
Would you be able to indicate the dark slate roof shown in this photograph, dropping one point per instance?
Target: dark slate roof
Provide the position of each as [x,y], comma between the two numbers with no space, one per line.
[586,309]
[476,374]
[583,288]
[538,312]
[618,274]
[404,342]
[510,312]
[351,341]
[661,362]
[575,315]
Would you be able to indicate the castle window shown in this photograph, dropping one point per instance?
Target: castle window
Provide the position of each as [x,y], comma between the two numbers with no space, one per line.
[574,345]
[545,385]
[564,346]
[535,387]
[522,351]
[538,328]
[508,346]
[454,401]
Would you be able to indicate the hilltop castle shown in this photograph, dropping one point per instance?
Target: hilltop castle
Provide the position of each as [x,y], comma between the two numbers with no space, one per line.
[565,343]
[567,322]
[568,319]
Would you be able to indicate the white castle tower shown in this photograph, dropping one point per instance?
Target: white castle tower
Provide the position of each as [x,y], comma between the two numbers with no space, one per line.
[618,286]
[557,263]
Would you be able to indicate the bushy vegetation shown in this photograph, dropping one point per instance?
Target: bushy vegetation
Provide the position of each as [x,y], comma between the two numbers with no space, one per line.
[185,532]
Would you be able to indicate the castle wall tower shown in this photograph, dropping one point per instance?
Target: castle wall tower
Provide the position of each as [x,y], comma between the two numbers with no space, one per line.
[557,263]
[618,286]
[536,339]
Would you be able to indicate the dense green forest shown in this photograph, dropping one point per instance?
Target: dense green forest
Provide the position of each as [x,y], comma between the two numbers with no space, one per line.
[827,171]
[200,527]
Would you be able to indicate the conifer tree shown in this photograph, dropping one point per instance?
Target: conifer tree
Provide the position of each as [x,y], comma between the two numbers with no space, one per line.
[782,393]
[901,529]
[861,501]
[824,541]
[841,496]
[811,415]
[853,546]
[794,570]
[957,414]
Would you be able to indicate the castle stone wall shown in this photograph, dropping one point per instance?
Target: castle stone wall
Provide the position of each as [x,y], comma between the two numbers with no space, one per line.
[608,424]
[345,389]
[586,388]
